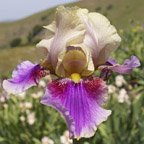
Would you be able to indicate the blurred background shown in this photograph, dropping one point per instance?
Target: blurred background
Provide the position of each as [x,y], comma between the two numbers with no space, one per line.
[23,120]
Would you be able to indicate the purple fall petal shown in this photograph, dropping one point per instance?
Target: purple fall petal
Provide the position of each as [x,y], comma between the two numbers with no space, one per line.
[25,76]
[79,103]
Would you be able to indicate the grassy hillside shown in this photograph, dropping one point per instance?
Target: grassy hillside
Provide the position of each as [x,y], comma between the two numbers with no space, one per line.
[22,28]
[121,12]
[9,58]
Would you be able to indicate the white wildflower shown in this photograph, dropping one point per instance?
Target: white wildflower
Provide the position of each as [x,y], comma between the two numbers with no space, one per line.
[47,140]
[37,95]
[2,99]
[25,106]
[120,81]
[31,118]
[111,89]
[28,105]
[4,96]
[22,118]
[40,93]
[27,111]
[5,105]
[22,95]
[123,96]
[65,138]
[21,105]
[34,95]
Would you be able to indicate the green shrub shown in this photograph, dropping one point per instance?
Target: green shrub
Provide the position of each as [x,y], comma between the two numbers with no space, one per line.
[43,18]
[15,42]
[109,7]
[98,9]
[35,31]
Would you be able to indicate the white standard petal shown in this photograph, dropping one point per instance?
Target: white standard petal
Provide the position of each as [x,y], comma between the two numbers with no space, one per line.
[101,37]
[69,31]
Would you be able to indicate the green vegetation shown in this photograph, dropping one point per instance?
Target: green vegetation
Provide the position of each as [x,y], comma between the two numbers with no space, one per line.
[15,42]
[22,123]
[35,31]
[22,28]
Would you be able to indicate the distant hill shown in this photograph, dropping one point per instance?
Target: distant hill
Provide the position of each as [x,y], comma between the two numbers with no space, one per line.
[122,13]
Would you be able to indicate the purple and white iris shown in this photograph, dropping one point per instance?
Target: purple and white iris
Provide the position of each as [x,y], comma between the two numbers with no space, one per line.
[79,43]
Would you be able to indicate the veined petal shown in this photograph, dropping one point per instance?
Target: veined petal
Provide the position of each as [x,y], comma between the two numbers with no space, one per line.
[79,103]
[101,37]
[26,75]
[125,68]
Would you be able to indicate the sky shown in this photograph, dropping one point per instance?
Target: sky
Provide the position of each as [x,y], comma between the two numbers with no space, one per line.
[17,9]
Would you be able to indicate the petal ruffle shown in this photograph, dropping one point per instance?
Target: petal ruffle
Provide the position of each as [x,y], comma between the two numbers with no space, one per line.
[101,37]
[80,104]
[77,27]
[69,31]
[125,68]
[45,43]
[26,75]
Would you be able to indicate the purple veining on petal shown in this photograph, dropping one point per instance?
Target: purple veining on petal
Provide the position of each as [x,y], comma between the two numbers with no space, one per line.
[26,75]
[80,104]
[112,65]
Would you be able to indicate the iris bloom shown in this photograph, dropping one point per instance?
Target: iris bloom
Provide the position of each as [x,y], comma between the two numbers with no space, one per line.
[78,44]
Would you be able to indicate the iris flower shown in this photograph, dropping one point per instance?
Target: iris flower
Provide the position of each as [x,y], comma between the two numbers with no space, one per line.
[78,44]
